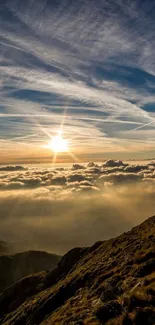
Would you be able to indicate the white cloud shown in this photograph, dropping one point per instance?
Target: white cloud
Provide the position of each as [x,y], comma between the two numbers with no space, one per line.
[75,177]
[100,57]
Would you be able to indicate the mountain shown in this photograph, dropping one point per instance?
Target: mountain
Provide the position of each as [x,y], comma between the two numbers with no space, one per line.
[15,267]
[3,247]
[112,282]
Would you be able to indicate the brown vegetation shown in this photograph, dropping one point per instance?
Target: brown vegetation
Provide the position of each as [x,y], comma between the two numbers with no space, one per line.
[112,283]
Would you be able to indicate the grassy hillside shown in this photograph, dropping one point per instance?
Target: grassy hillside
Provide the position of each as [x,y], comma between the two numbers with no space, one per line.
[113,282]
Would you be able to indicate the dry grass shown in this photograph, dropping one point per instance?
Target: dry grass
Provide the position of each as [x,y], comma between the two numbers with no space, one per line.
[75,292]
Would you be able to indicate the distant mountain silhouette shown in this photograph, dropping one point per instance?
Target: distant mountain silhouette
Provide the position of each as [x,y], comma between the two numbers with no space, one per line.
[15,267]
[112,282]
[3,247]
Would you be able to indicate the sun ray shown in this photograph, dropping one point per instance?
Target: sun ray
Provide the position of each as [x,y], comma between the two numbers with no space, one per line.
[73,156]
[54,158]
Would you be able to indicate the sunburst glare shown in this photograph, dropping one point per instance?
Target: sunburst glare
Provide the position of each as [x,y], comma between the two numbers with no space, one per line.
[58,144]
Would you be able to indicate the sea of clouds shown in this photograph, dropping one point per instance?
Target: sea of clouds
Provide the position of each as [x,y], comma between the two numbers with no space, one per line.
[58,208]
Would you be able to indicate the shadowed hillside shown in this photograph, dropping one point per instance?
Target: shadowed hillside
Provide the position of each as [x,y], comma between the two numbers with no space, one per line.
[3,247]
[15,267]
[113,282]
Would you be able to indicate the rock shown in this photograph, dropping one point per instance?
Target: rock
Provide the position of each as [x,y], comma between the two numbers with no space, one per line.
[108,311]
[146,268]
[108,295]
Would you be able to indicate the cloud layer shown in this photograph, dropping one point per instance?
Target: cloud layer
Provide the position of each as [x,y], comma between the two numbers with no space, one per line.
[60,208]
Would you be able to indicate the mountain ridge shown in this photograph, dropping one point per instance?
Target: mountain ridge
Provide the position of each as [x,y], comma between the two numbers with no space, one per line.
[112,282]
[14,267]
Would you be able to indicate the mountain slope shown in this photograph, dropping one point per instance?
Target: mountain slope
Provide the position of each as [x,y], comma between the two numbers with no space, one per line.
[3,247]
[113,282]
[15,267]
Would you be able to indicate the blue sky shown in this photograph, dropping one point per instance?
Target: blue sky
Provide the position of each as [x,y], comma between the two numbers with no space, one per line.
[88,65]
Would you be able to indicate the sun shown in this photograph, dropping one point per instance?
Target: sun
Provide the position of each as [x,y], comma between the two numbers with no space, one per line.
[58,144]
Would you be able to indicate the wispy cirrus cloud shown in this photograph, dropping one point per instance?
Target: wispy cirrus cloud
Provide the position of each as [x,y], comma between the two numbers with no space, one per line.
[86,64]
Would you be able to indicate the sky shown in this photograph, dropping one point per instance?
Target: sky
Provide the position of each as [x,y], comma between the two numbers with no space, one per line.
[85,67]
